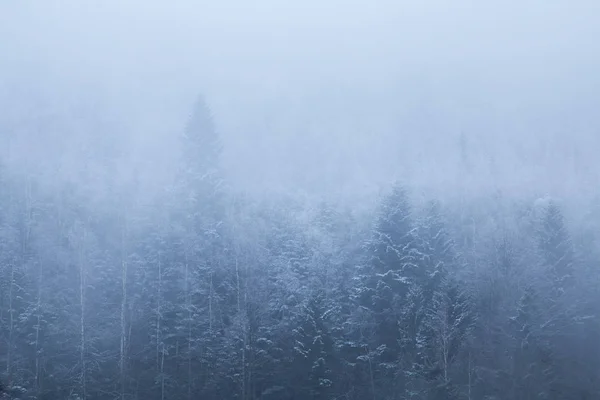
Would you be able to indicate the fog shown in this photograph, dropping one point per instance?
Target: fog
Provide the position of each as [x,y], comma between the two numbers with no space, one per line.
[335,96]
[324,200]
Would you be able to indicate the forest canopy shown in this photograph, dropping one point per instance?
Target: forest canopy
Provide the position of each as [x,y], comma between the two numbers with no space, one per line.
[204,292]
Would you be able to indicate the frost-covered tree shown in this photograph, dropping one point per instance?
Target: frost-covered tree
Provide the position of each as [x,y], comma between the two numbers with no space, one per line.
[556,246]
[313,351]
[383,285]
[197,249]
[529,352]
[436,259]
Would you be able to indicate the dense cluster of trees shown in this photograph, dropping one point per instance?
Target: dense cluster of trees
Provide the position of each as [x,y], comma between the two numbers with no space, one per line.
[205,293]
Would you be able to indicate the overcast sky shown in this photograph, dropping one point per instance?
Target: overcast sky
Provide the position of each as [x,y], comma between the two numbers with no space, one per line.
[330,94]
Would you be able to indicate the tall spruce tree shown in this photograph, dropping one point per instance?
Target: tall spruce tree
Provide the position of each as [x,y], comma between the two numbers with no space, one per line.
[314,351]
[383,287]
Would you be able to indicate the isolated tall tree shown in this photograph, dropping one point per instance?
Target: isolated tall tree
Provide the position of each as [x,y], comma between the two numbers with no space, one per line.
[200,248]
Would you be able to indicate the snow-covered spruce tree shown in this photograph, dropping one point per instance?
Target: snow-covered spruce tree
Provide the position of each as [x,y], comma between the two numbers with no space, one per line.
[289,261]
[199,251]
[314,347]
[285,285]
[151,368]
[556,247]
[438,254]
[495,300]
[528,349]
[119,289]
[336,244]
[15,288]
[41,252]
[435,259]
[74,356]
[587,247]
[442,340]
[383,284]
[562,308]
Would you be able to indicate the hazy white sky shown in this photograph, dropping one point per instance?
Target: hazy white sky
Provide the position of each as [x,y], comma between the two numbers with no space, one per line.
[320,92]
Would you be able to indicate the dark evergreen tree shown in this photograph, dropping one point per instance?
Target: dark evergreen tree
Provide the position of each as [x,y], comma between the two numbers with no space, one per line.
[436,259]
[529,351]
[198,252]
[314,351]
[384,284]
[558,256]
[556,246]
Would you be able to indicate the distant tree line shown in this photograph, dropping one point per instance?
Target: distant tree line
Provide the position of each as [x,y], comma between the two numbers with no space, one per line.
[203,293]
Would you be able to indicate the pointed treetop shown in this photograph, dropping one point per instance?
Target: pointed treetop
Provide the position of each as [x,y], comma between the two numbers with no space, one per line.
[201,143]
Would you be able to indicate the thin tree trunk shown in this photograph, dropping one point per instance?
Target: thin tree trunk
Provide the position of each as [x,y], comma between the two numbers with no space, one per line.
[11,322]
[82,307]
[38,327]
[244,329]
[158,315]
[188,307]
[124,269]
[371,373]
[470,378]
[162,373]
[210,299]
